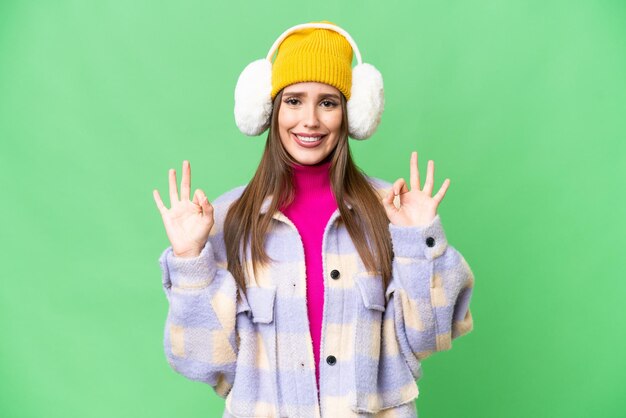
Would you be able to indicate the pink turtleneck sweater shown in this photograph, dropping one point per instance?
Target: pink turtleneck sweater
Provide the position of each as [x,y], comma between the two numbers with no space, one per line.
[310,211]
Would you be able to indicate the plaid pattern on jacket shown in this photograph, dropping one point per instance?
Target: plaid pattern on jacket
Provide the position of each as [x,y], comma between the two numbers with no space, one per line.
[255,348]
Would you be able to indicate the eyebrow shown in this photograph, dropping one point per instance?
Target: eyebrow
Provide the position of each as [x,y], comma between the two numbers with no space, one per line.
[301,93]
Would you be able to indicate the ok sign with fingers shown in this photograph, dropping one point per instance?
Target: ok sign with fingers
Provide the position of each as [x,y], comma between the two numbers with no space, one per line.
[417,207]
[187,223]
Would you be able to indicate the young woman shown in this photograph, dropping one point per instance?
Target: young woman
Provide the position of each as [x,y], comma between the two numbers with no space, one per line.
[315,290]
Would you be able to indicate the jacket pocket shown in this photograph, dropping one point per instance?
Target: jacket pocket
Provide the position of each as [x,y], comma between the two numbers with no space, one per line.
[372,292]
[382,377]
[254,392]
[259,303]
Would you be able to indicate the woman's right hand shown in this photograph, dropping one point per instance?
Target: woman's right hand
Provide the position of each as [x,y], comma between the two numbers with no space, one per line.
[187,223]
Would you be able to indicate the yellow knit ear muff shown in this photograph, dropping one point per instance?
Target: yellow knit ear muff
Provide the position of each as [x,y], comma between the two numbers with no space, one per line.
[253,92]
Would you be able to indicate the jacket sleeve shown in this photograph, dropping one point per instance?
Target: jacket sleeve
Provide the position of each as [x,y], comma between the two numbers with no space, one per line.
[431,288]
[200,341]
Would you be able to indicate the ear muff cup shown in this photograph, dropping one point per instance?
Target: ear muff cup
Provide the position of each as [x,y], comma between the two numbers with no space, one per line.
[367,101]
[253,101]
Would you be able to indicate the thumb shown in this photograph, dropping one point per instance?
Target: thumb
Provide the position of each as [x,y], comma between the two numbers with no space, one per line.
[387,202]
[207,208]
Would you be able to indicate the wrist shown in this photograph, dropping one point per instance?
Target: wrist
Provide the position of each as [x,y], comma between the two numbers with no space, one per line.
[191,253]
[412,223]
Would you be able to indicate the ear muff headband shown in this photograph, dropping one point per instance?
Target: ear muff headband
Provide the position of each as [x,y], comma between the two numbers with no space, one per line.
[253,102]
[334,28]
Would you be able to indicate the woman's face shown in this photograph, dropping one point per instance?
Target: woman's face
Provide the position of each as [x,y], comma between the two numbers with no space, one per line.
[309,121]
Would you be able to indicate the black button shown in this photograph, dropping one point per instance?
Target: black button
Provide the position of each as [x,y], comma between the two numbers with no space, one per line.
[334,274]
[331,360]
[430,241]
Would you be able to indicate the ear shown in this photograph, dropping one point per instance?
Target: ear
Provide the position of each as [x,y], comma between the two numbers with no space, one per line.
[367,101]
[253,101]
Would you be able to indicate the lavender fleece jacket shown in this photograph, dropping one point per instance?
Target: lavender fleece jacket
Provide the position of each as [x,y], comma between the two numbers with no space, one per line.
[255,348]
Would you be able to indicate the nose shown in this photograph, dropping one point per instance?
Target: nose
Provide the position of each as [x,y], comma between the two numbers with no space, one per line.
[311,119]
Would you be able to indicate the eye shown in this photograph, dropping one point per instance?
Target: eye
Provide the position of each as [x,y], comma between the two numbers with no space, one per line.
[292,101]
[328,103]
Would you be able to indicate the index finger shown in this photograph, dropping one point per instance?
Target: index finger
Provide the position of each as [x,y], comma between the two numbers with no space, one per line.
[415,174]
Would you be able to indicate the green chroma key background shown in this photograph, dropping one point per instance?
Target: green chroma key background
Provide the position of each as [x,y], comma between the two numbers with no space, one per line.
[520,103]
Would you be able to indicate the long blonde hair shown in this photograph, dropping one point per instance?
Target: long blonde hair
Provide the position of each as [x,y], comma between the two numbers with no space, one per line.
[365,222]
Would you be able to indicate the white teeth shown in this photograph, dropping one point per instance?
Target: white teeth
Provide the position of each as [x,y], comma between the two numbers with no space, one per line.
[309,138]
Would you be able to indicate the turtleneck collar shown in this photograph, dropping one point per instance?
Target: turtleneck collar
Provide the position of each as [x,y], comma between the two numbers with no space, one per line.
[311,178]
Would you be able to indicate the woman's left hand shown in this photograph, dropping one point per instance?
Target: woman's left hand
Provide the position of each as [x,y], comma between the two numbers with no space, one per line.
[417,207]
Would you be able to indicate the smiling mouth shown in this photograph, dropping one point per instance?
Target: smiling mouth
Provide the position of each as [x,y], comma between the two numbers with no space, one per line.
[309,138]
